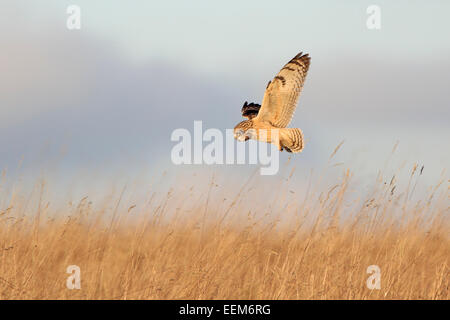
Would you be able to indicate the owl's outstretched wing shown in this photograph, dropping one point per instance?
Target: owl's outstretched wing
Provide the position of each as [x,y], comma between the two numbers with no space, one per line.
[281,96]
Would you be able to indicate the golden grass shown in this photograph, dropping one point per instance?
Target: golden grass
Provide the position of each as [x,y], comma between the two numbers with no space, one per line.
[165,250]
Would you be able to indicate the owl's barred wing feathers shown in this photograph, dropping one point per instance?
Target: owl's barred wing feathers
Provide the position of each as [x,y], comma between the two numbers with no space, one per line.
[282,93]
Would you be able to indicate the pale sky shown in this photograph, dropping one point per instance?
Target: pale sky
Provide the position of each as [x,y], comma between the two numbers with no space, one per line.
[110,94]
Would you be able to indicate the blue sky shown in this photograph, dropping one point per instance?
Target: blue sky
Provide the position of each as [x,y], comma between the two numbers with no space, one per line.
[106,97]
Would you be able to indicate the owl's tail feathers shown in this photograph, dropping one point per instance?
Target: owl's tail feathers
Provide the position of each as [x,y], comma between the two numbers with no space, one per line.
[292,140]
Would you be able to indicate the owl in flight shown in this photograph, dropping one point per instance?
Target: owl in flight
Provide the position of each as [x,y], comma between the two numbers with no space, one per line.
[277,109]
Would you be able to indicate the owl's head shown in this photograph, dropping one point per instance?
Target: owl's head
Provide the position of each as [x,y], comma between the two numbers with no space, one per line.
[244,130]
